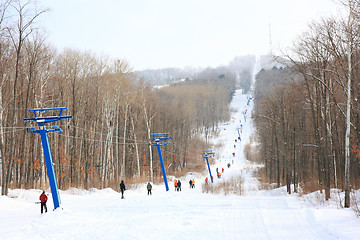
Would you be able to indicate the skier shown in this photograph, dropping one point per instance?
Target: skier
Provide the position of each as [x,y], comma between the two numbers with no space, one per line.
[222,170]
[206,180]
[193,183]
[179,185]
[43,199]
[149,187]
[122,188]
[217,170]
[175,184]
[228,165]
[190,183]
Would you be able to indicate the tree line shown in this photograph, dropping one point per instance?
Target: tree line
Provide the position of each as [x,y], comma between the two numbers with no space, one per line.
[114,113]
[240,67]
[304,113]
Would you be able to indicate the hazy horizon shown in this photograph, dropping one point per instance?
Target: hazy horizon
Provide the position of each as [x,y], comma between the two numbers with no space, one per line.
[153,34]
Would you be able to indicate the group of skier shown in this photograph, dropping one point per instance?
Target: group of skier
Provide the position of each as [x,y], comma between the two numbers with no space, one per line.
[218,174]
[177,185]
[192,183]
[122,188]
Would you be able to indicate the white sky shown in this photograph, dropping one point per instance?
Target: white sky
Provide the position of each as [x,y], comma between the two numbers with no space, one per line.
[173,33]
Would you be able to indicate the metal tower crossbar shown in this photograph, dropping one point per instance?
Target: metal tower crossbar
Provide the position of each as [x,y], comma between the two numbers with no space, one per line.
[209,153]
[157,137]
[46,146]
[47,119]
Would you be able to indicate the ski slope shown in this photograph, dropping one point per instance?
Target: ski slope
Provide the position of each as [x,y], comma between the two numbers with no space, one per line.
[189,214]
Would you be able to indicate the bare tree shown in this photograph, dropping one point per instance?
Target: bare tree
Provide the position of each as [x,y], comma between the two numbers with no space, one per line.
[4,44]
[26,17]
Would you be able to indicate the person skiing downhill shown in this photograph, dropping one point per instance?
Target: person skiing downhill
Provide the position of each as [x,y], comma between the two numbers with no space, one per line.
[122,188]
[193,183]
[190,183]
[149,187]
[43,199]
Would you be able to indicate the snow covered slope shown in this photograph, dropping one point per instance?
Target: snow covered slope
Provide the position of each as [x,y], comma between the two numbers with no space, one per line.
[189,214]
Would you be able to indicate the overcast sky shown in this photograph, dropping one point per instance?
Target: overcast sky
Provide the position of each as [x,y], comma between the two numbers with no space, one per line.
[179,33]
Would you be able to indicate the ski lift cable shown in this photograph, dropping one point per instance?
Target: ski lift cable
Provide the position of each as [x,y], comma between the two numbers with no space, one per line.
[102,141]
[17,130]
[182,148]
[91,131]
[96,140]
[131,143]
[195,155]
[104,134]
[72,165]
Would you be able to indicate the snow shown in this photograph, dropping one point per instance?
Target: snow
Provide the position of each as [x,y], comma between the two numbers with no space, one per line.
[189,214]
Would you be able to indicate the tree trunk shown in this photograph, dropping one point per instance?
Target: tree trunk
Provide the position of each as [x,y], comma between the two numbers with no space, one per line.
[347,135]
[148,126]
[122,173]
[136,148]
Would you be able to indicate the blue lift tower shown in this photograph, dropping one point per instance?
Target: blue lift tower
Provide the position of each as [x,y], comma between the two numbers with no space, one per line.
[41,121]
[238,130]
[206,154]
[157,137]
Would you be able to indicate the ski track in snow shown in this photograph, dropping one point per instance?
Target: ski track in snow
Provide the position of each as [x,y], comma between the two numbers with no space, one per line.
[189,214]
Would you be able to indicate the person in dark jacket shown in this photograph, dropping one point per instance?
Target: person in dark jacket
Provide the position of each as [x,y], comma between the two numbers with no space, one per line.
[190,183]
[43,199]
[179,185]
[122,188]
[149,187]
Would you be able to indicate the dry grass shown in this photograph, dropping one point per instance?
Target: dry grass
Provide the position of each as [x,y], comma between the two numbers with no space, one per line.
[234,185]
[355,202]
[264,183]
[309,186]
[251,152]
[247,151]
[218,146]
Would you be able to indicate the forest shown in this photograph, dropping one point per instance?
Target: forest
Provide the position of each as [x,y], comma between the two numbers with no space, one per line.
[307,114]
[306,110]
[114,112]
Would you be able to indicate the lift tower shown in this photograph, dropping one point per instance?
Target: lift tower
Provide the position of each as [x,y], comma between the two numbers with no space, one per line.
[41,121]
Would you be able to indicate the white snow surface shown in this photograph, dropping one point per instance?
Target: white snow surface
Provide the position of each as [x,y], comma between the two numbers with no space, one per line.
[189,214]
